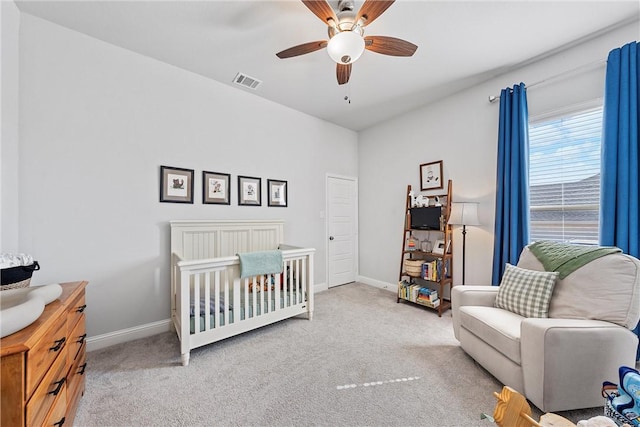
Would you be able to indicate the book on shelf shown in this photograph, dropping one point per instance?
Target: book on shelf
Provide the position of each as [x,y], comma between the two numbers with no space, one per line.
[428,295]
[433,304]
[417,293]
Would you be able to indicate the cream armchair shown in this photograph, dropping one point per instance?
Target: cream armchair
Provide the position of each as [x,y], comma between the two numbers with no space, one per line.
[560,362]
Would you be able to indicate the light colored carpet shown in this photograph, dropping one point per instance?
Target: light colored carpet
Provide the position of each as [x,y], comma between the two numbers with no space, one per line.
[363,361]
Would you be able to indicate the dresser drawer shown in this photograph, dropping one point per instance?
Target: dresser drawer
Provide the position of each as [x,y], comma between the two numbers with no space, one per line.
[52,388]
[57,416]
[76,340]
[45,351]
[76,311]
[76,377]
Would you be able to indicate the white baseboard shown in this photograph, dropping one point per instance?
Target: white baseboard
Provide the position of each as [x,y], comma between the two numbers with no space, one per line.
[129,334]
[391,287]
[319,287]
[147,330]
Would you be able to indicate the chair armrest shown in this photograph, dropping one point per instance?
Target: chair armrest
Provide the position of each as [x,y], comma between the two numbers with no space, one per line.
[470,295]
[565,361]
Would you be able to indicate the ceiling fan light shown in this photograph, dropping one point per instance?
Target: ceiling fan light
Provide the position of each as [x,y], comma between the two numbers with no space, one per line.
[345,47]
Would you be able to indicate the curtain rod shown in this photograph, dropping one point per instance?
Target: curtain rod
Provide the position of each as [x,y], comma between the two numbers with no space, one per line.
[584,67]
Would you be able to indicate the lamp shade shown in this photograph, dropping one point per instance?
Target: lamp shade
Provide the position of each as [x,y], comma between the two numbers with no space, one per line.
[464,214]
[345,47]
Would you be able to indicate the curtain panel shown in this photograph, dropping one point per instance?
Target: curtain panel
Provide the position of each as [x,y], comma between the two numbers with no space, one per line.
[620,179]
[512,181]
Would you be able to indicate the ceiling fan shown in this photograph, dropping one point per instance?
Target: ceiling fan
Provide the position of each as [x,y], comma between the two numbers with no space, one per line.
[346,35]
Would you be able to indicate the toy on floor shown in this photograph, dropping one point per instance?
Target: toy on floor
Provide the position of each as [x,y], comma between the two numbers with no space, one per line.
[513,410]
[623,400]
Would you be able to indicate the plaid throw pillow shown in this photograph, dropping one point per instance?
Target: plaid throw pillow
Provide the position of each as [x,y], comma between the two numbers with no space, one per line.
[526,292]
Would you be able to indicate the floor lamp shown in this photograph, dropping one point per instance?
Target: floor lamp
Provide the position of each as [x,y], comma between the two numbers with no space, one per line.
[464,214]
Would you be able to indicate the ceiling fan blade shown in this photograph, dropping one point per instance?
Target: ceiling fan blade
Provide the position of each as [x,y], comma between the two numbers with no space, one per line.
[343,72]
[301,49]
[371,9]
[389,46]
[322,9]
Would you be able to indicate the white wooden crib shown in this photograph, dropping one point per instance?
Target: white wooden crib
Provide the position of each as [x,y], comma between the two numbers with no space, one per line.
[204,267]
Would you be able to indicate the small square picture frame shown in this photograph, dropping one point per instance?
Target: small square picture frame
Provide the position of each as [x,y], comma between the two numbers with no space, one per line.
[216,188]
[176,185]
[249,191]
[431,176]
[277,190]
[438,247]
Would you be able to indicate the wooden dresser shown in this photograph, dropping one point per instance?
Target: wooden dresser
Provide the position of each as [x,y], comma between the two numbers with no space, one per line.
[42,366]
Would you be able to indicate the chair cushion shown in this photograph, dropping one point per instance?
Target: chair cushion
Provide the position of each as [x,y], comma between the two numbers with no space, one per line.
[497,327]
[526,292]
[606,289]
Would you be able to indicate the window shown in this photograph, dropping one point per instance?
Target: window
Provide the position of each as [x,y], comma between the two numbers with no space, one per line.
[564,177]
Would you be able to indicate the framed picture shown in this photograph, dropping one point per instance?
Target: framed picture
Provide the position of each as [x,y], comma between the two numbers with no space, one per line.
[216,188]
[438,248]
[176,185]
[277,192]
[249,191]
[431,176]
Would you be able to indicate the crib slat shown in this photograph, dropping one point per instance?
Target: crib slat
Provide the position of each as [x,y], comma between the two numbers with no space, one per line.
[268,302]
[254,294]
[246,301]
[276,299]
[207,299]
[196,303]
[263,301]
[303,282]
[287,288]
[294,281]
[226,297]
[216,294]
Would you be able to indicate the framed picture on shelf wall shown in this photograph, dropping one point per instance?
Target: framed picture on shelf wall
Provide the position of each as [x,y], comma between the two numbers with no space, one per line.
[249,191]
[216,188]
[176,185]
[438,248]
[277,192]
[431,176]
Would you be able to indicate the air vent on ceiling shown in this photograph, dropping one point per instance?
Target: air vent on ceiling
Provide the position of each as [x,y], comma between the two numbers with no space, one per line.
[247,81]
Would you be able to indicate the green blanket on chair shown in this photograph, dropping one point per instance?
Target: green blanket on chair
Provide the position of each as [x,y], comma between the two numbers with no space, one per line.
[566,258]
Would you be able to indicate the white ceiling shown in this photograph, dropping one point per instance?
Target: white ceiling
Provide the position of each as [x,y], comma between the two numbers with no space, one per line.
[460,43]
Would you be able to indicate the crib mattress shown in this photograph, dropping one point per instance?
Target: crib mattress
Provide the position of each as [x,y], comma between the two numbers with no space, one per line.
[284,301]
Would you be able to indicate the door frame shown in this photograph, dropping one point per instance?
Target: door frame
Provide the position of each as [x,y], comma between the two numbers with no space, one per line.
[356,242]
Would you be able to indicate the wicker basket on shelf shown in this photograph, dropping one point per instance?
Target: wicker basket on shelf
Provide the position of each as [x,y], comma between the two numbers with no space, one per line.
[413,267]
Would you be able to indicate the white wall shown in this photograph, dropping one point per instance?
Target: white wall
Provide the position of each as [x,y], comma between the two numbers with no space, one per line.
[9,70]
[97,121]
[462,131]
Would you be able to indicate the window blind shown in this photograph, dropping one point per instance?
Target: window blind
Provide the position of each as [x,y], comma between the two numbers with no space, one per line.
[564,177]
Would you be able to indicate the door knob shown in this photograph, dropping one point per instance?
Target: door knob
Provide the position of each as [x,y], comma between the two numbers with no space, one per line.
[330,237]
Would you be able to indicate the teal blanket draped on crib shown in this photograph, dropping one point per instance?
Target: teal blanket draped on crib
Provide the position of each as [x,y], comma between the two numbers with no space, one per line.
[259,263]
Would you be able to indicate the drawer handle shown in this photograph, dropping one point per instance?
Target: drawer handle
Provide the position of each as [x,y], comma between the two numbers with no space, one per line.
[59,344]
[61,422]
[83,367]
[81,308]
[59,385]
[81,338]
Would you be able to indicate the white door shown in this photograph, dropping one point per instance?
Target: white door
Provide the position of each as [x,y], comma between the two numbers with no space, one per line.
[342,228]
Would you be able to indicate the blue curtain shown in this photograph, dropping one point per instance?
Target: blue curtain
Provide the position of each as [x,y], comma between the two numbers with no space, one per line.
[619,184]
[512,182]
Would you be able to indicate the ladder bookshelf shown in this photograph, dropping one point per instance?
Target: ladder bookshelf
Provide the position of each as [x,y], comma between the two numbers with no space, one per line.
[425,273]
